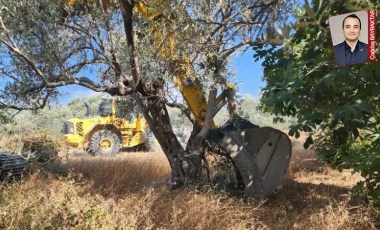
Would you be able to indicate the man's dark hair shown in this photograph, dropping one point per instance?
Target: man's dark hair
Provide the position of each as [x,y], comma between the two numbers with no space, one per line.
[352,16]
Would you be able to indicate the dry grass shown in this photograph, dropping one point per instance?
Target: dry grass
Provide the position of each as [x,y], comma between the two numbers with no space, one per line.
[130,192]
[305,167]
[124,173]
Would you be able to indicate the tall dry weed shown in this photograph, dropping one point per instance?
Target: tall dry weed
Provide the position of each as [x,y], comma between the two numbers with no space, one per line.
[130,192]
[46,202]
[127,172]
[342,217]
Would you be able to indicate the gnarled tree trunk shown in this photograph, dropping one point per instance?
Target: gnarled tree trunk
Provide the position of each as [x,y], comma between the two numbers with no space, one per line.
[153,105]
[157,116]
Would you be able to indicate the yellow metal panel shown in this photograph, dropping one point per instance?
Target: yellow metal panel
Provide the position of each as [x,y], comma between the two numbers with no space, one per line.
[137,139]
[73,140]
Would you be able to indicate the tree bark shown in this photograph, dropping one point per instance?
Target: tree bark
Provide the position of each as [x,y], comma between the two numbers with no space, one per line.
[152,101]
[158,119]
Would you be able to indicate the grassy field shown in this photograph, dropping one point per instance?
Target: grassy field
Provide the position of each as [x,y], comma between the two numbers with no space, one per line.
[130,191]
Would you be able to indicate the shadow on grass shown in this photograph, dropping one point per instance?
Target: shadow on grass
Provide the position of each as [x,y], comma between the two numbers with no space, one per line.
[294,202]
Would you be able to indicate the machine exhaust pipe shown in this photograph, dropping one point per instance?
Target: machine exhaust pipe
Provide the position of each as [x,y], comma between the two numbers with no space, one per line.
[88,109]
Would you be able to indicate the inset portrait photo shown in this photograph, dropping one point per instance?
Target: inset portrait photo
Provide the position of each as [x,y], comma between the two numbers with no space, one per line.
[354,37]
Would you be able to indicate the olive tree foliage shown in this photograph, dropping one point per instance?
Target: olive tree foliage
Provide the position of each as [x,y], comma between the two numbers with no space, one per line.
[46,119]
[210,33]
[249,109]
[42,48]
[49,119]
[207,34]
[338,107]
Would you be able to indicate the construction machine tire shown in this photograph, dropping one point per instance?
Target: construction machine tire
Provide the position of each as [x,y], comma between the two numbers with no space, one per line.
[104,143]
[262,157]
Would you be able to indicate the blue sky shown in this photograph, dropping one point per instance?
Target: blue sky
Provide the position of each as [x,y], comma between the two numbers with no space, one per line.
[248,74]
[248,79]
[74,91]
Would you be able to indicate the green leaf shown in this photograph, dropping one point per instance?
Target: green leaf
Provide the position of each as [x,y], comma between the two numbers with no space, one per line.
[291,132]
[308,142]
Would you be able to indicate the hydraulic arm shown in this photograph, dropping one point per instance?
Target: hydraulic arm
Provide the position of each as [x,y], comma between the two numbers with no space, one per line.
[261,155]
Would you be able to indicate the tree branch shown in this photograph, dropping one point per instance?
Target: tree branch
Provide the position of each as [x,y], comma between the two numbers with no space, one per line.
[127,9]
[185,110]
[37,105]
[209,114]
[17,51]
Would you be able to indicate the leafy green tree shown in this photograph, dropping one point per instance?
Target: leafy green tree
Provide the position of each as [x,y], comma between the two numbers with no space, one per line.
[4,117]
[249,109]
[339,107]
[78,108]
[48,119]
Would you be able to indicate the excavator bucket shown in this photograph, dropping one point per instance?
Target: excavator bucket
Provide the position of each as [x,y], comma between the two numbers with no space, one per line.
[262,157]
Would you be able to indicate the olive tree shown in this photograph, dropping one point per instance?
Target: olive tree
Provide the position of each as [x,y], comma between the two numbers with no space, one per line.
[48,44]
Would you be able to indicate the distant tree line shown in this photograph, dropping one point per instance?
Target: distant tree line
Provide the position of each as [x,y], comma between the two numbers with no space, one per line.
[52,117]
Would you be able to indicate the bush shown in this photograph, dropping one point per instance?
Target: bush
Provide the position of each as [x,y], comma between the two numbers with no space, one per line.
[361,154]
[364,157]
[38,146]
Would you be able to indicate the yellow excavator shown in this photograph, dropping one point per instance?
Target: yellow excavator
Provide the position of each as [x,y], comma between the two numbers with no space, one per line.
[261,155]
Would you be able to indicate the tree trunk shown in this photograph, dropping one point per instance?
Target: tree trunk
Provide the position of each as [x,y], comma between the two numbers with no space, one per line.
[156,114]
[152,102]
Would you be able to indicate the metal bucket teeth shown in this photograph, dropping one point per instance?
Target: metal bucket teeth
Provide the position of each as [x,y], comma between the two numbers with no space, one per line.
[262,156]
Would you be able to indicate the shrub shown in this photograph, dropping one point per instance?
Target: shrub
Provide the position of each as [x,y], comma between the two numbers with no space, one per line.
[39,146]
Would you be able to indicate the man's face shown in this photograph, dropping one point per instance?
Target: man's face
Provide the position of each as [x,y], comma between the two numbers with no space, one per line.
[351,29]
